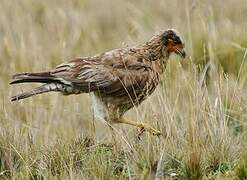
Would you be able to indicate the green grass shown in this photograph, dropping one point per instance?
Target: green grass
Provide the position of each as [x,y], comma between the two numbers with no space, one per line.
[201,105]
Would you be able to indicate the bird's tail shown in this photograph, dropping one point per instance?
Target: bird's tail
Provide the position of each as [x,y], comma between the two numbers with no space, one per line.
[39,90]
[51,84]
[42,77]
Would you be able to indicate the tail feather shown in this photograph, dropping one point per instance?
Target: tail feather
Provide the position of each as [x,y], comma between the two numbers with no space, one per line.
[52,83]
[43,77]
[39,90]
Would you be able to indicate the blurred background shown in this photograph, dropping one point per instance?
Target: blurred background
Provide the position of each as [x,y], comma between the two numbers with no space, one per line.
[212,101]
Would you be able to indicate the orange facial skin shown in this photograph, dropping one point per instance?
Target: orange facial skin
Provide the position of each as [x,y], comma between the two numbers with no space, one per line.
[176,48]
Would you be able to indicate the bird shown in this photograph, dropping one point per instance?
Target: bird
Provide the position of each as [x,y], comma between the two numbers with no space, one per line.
[118,80]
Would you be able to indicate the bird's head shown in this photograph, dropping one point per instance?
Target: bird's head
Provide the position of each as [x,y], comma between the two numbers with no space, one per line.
[173,43]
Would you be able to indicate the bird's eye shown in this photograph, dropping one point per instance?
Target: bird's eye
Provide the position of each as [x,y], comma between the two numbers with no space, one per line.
[177,41]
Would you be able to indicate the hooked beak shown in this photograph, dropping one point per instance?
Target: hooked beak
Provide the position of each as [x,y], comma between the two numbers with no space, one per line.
[181,52]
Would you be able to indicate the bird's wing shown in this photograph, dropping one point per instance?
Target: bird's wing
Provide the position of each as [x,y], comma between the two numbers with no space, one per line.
[115,73]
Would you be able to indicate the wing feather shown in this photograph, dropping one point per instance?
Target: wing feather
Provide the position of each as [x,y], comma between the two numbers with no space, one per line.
[114,73]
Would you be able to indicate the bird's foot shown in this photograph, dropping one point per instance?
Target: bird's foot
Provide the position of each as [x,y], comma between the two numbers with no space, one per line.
[141,131]
[151,130]
[154,132]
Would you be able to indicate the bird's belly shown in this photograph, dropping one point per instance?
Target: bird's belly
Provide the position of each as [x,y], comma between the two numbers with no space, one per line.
[107,107]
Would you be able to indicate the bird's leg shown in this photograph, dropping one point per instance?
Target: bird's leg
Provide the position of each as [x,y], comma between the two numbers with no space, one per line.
[142,126]
[114,139]
[113,134]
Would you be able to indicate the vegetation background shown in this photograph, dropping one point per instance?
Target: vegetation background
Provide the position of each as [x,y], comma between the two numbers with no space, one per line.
[201,105]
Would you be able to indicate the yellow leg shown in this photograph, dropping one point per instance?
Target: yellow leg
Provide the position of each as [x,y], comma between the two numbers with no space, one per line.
[140,125]
[113,139]
[113,135]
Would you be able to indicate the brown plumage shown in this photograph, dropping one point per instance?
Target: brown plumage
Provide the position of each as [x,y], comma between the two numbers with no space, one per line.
[119,79]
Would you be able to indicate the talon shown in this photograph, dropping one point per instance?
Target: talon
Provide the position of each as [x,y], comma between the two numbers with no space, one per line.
[156,132]
[142,130]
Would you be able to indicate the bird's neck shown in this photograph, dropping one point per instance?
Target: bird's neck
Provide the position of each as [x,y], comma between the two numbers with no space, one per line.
[156,53]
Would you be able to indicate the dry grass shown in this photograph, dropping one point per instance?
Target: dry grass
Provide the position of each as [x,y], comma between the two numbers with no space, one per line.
[200,105]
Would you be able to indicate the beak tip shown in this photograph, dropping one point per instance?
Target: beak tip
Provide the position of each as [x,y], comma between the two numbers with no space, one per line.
[183,53]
